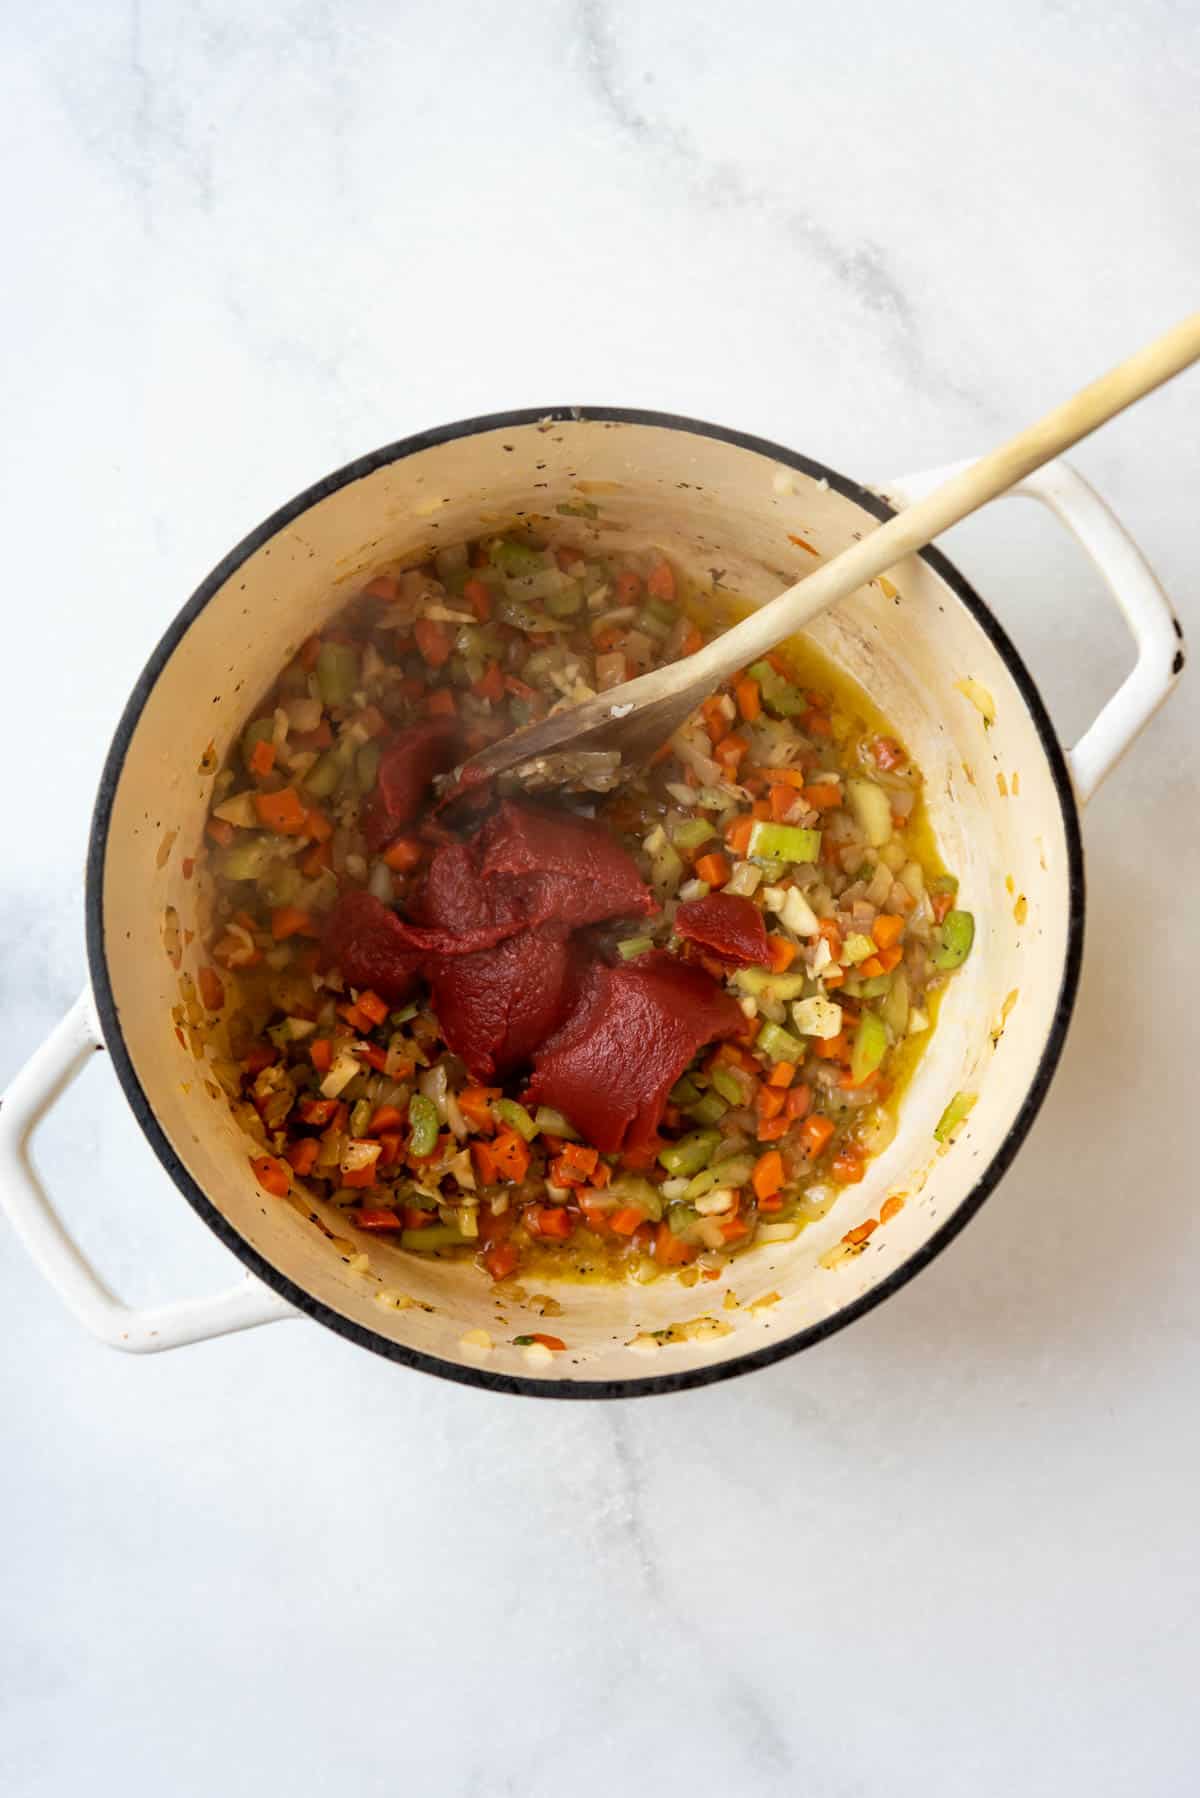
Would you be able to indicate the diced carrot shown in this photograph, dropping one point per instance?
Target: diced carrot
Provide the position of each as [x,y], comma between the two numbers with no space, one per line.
[518,688]
[861,1233]
[629,587]
[391,1148]
[713,712]
[187,866]
[317,1111]
[561,1173]
[737,834]
[442,703]
[815,724]
[290,920]
[729,752]
[302,1154]
[749,698]
[769,1101]
[272,1175]
[833,976]
[890,958]
[887,929]
[626,1219]
[890,1207]
[283,812]
[551,1342]
[781,800]
[833,1048]
[405,854]
[848,1165]
[478,596]
[317,825]
[220,832]
[887,752]
[660,582]
[433,640]
[212,989]
[773,1202]
[258,1056]
[714,868]
[798,1100]
[501,1259]
[669,1249]
[232,952]
[320,1053]
[262,756]
[692,642]
[734,1227]
[416,1219]
[580,1158]
[823,796]
[510,1153]
[373,1006]
[639,1159]
[782,953]
[357,1020]
[485,1161]
[475,1103]
[761,810]
[940,904]
[871,967]
[782,1074]
[768,1173]
[359,1176]
[771,1129]
[833,936]
[815,1134]
[553,1221]
[490,685]
[374,1057]
[601,1174]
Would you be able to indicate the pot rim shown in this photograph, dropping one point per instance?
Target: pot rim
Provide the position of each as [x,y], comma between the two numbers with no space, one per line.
[304,1301]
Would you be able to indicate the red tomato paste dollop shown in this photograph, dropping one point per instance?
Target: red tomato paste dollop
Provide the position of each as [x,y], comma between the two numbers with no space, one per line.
[726,926]
[406,771]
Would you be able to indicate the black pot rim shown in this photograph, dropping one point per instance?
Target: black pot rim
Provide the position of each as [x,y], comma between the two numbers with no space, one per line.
[281,1283]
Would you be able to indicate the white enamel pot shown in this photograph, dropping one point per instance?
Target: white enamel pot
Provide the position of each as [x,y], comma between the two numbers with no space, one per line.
[1004,802]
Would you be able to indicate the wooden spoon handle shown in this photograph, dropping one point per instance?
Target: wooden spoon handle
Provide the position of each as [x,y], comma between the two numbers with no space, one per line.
[963,494]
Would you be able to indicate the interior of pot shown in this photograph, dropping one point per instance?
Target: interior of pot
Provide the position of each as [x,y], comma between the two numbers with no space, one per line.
[913,643]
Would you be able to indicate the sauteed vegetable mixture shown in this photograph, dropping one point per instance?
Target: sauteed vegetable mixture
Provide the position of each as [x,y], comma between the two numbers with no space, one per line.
[623,1032]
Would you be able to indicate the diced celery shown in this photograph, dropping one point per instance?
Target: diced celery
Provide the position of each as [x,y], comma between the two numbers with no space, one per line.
[875,987]
[856,948]
[325,774]
[553,1123]
[259,730]
[565,603]
[337,672]
[871,809]
[515,559]
[733,1173]
[516,1117]
[580,508]
[708,1110]
[726,1082]
[817,1017]
[632,1189]
[680,1219]
[870,1046]
[246,860]
[784,842]
[666,869]
[431,1238]
[633,946]
[423,1125]
[958,933]
[685,1091]
[360,1117]
[690,1153]
[366,766]
[689,835]
[779,695]
[778,1044]
[958,1108]
[281,883]
[404,1014]
[759,983]
[895,1007]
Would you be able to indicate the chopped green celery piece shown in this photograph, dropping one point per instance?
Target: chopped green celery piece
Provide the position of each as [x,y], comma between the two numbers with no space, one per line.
[870,1046]
[960,1105]
[944,883]
[246,860]
[690,1153]
[632,1189]
[664,610]
[817,1017]
[422,1124]
[895,1007]
[431,1238]
[553,1123]
[726,1082]
[761,983]
[689,835]
[360,1117]
[337,672]
[958,933]
[516,558]
[685,1091]
[784,842]
[653,627]
[666,870]
[633,946]
[708,1110]
[281,883]
[680,1219]
[856,948]
[580,508]
[516,1117]
[324,777]
[778,1044]
[875,987]
[259,730]
[366,766]
[779,695]
[566,603]
[872,811]
[404,1014]
[772,870]
[732,1173]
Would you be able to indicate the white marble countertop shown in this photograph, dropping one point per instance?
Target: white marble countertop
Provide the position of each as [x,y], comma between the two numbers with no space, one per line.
[951,1550]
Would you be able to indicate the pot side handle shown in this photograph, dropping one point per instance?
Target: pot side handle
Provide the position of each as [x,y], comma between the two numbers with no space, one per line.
[38,1086]
[1156,630]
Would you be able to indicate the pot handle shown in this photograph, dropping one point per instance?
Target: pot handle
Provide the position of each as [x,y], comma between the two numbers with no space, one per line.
[1156,631]
[38,1086]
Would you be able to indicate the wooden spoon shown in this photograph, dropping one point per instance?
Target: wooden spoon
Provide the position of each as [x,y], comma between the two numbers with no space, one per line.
[636,717]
